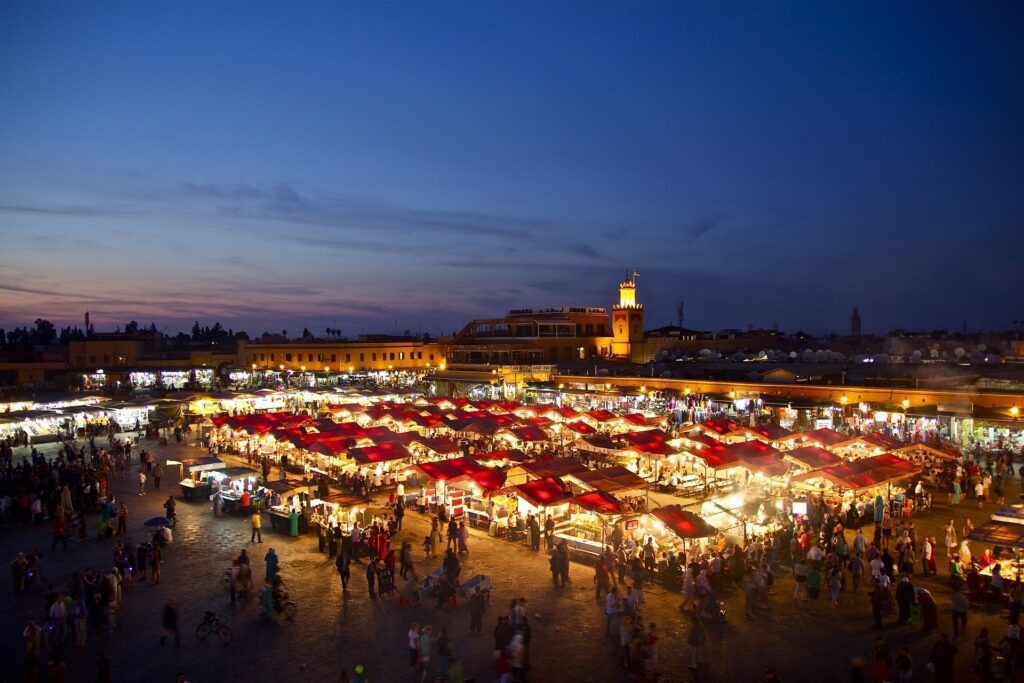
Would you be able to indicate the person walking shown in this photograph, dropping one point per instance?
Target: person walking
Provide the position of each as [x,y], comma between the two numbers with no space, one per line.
[60,533]
[142,483]
[122,519]
[271,559]
[477,604]
[158,473]
[257,523]
[342,564]
[169,622]
[371,574]
[405,560]
[960,607]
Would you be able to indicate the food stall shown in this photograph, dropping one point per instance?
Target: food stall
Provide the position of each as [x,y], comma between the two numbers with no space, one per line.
[194,476]
[592,515]
[673,528]
[629,488]
[556,467]
[335,510]
[859,483]
[544,498]
[232,483]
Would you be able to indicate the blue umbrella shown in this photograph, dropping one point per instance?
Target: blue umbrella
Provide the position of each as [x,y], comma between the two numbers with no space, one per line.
[158,521]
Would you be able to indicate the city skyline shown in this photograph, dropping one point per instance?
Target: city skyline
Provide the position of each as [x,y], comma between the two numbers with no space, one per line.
[286,166]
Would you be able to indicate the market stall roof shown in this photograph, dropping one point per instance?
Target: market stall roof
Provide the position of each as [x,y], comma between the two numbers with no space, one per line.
[652,448]
[546,492]
[684,523]
[22,415]
[766,432]
[441,445]
[1005,534]
[600,415]
[199,464]
[567,413]
[550,468]
[474,425]
[331,447]
[579,426]
[703,440]
[511,454]
[599,443]
[812,457]
[923,449]
[647,436]
[489,479]
[717,457]
[382,453]
[283,486]
[825,437]
[601,503]
[237,472]
[448,470]
[758,456]
[721,426]
[539,421]
[864,473]
[879,441]
[610,479]
[528,434]
[640,420]
[1014,513]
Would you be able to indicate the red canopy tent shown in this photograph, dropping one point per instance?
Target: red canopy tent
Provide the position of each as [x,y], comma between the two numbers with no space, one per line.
[579,426]
[543,492]
[684,523]
[813,457]
[513,454]
[600,502]
[382,453]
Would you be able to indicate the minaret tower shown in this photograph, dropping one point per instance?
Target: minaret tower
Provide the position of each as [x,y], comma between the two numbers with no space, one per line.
[627,319]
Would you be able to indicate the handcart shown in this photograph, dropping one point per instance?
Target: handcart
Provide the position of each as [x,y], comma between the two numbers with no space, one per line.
[480,580]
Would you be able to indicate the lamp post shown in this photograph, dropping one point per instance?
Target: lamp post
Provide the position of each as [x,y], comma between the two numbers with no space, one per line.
[906,405]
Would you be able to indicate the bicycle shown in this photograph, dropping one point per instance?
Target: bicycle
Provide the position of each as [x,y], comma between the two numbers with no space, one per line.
[212,625]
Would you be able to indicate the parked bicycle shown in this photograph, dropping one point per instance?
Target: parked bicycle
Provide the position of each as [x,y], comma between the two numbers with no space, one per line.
[212,625]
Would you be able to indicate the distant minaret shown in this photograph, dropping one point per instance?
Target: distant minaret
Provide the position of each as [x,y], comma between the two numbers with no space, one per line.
[855,323]
[87,322]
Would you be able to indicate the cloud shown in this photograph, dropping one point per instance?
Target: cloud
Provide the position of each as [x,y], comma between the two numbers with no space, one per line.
[697,229]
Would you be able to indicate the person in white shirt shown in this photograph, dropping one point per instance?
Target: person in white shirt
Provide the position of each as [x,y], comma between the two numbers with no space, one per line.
[876,568]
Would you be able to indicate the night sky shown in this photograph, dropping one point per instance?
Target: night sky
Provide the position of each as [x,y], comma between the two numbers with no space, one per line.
[373,167]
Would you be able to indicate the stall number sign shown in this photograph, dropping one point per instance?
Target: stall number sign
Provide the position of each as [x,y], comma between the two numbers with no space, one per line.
[823,423]
[632,524]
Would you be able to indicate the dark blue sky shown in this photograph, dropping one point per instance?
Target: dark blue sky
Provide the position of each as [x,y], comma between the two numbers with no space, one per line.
[286,165]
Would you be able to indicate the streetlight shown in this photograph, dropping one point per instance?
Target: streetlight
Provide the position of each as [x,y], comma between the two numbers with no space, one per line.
[303,367]
[843,399]
[1015,411]
[253,366]
[351,368]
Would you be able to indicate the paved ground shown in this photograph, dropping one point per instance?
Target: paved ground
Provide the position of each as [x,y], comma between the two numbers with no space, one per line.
[333,631]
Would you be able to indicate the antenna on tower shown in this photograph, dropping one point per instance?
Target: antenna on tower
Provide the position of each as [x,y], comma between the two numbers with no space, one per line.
[681,312]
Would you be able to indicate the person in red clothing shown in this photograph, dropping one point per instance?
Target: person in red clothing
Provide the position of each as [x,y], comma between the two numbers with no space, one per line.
[246,501]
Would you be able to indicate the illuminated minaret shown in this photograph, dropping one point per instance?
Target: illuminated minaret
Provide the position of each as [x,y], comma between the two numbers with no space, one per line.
[627,319]
[855,323]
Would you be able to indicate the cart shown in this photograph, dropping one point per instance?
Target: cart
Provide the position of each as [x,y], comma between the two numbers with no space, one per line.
[385,581]
[480,580]
[431,582]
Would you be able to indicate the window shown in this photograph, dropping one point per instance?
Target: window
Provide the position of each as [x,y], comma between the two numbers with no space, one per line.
[310,358]
[288,357]
[319,358]
[334,357]
[348,357]
[419,355]
[590,330]
[392,355]
[263,356]
[401,355]
[373,356]
[272,357]
[431,356]
[600,330]
[362,357]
